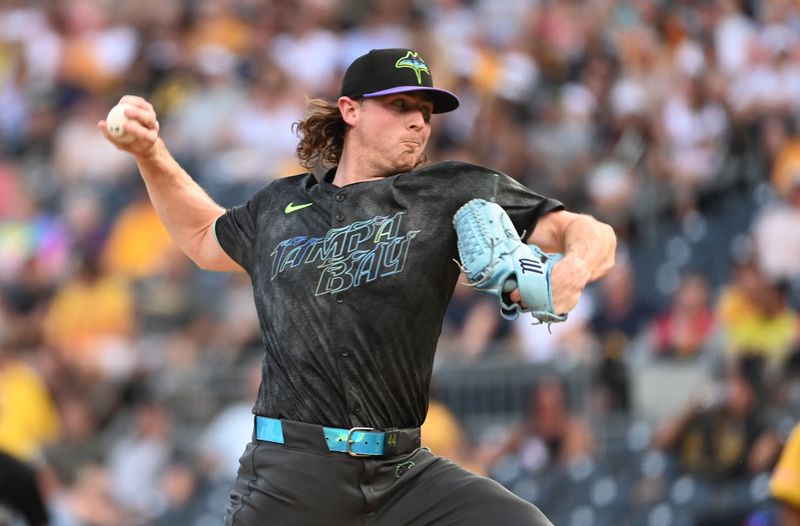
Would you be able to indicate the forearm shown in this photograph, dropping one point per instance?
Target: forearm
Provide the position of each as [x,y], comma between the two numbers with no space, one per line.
[592,242]
[185,209]
[588,247]
[187,212]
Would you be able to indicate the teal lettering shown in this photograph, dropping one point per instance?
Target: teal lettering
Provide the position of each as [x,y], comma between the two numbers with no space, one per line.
[395,255]
[334,278]
[279,253]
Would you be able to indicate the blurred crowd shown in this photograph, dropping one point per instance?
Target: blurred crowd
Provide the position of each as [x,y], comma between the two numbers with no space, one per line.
[127,375]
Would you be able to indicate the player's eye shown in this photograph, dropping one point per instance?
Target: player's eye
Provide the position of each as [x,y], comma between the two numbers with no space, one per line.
[404,106]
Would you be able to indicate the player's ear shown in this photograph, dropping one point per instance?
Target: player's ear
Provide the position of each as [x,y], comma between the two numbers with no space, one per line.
[349,109]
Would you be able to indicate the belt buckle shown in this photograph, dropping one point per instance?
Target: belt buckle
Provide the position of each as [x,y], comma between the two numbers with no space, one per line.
[350,442]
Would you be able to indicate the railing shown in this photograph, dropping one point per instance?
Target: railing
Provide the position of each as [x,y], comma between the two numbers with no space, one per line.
[497,393]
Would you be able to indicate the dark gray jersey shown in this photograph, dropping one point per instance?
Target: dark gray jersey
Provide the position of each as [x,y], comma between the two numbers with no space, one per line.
[351,286]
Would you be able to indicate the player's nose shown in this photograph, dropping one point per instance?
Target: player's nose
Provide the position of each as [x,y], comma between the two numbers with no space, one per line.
[419,115]
[416,120]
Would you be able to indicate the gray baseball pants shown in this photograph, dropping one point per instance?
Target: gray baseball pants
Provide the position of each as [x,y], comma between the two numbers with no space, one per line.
[303,484]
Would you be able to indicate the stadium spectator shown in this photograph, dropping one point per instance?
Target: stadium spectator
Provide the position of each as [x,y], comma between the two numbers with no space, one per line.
[755,316]
[620,313]
[85,499]
[724,436]
[138,243]
[552,434]
[96,345]
[138,459]
[28,416]
[785,483]
[684,330]
[776,236]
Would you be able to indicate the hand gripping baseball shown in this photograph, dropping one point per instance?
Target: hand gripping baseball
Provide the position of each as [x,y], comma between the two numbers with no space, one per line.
[496,261]
[131,125]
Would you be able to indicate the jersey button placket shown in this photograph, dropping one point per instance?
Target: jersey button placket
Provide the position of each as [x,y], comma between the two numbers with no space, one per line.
[344,361]
[338,212]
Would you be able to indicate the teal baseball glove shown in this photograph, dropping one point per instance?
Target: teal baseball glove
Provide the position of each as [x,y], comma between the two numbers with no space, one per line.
[496,261]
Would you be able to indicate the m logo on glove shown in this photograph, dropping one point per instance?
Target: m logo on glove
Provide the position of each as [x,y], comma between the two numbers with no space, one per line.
[530,265]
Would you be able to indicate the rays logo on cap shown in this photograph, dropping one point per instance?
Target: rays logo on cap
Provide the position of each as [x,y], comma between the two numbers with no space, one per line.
[413,61]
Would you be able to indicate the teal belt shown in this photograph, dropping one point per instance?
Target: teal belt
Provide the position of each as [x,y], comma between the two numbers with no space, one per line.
[357,441]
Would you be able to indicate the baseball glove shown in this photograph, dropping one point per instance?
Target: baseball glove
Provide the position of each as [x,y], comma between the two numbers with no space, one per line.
[495,261]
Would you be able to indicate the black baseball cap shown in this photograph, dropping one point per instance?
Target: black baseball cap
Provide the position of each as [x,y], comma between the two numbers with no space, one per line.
[396,70]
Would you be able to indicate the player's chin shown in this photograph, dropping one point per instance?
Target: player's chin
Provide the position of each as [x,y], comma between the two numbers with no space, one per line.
[409,161]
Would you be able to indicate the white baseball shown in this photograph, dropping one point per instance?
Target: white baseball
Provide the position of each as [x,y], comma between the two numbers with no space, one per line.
[115,123]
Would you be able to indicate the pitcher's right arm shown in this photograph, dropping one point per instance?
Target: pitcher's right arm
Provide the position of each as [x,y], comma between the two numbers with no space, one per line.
[186,210]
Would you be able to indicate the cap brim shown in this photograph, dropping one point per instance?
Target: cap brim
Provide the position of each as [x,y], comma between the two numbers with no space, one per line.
[443,100]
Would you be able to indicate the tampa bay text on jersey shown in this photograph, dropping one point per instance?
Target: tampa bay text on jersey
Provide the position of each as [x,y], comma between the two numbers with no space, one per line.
[349,256]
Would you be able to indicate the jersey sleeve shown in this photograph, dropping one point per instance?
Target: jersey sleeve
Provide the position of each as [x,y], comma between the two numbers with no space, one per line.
[465,181]
[785,482]
[236,230]
[524,206]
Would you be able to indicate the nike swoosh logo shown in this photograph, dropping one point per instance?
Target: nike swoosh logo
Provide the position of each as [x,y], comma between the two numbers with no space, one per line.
[291,207]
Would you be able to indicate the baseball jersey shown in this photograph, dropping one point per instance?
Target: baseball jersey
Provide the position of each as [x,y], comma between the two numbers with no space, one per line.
[785,483]
[351,286]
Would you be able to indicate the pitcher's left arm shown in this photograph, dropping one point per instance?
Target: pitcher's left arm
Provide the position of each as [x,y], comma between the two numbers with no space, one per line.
[588,246]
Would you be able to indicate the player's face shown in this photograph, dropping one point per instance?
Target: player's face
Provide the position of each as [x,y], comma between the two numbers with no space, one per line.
[393,130]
